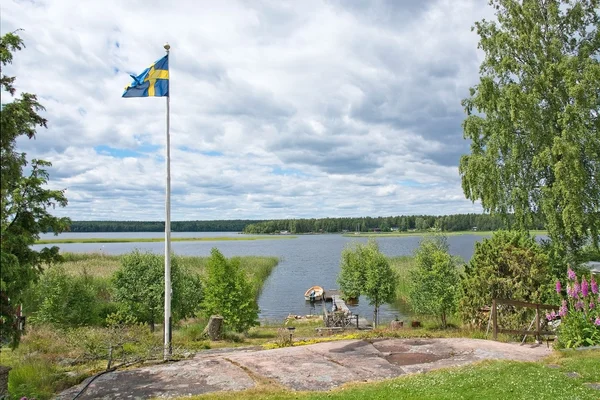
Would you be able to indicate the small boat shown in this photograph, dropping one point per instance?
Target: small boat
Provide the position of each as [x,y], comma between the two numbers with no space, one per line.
[315,293]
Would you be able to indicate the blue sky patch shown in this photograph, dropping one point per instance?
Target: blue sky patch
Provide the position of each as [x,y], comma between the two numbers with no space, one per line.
[209,153]
[212,153]
[139,151]
[410,183]
[288,171]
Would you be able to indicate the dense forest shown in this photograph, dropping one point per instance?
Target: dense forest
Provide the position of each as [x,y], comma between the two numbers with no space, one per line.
[236,225]
[448,223]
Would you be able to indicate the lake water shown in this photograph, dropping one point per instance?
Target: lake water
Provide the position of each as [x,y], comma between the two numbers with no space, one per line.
[305,261]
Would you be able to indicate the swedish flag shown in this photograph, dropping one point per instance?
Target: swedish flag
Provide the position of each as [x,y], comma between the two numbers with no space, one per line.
[154,81]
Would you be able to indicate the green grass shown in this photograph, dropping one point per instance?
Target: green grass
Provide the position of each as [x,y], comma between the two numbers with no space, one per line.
[485,380]
[402,266]
[174,239]
[100,265]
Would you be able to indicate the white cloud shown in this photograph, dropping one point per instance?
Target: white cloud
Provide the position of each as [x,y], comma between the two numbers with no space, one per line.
[279,109]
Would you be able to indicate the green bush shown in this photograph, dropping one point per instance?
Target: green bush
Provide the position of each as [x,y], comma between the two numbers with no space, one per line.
[435,281]
[140,288]
[61,299]
[229,293]
[509,265]
[123,340]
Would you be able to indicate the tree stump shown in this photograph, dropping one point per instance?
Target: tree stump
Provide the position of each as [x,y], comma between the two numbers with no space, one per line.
[214,329]
[396,325]
[4,381]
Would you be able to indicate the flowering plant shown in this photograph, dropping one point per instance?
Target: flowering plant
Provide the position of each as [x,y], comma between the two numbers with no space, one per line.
[579,312]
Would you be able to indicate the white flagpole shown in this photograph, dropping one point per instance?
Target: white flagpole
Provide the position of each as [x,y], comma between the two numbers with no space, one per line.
[167,348]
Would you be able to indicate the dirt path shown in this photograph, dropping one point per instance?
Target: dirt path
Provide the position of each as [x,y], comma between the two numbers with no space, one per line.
[320,366]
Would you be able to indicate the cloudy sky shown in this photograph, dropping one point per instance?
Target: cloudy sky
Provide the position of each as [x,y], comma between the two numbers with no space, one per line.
[279,109]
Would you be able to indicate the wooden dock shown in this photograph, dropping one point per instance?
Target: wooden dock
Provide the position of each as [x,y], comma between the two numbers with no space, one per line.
[340,304]
[329,293]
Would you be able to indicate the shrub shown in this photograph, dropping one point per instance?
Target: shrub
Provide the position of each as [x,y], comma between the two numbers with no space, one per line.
[283,339]
[140,288]
[435,281]
[123,340]
[61,299]
[579,312]
[228,293]
[509,265]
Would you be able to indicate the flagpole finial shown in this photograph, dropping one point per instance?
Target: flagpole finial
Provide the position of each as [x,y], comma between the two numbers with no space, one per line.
[167,47]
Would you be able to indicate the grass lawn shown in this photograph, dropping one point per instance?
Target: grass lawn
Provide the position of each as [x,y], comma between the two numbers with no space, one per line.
[173,239]
[487,380]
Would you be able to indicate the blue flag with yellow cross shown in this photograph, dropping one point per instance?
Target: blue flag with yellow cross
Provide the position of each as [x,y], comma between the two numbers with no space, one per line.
[153,82]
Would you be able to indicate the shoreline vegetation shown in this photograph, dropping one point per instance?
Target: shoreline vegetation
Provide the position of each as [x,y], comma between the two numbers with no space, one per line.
[161,239]
[32,366]
[423,233]
[100,265]
[271,236]
[403,223]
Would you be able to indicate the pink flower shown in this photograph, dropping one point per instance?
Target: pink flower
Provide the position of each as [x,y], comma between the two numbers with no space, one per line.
[571,291]
[571,274]
[584,287]
[551,316]
[563,309]
[594,285]
[576,288]
[597,321]
[592,305]
[558,286]
[579,305]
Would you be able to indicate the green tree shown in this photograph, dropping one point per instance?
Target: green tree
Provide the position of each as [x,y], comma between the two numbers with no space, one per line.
[364,270]
[509,265]
[228,293]
[24,201]
[352,271]
[140,288]
[435,281]
[534,118]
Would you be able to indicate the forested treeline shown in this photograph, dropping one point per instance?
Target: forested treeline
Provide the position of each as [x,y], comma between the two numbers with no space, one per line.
[404,223]
[159,226]
[448,223]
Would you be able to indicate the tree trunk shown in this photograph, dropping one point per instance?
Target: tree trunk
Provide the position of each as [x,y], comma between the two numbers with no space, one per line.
[214,329]
[376,316]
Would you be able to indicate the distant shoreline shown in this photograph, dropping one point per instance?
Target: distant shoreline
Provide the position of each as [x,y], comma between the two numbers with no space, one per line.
[424,233]
[161,239]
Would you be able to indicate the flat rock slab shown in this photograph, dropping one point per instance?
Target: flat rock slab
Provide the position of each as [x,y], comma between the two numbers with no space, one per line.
[321,366]
[184,378]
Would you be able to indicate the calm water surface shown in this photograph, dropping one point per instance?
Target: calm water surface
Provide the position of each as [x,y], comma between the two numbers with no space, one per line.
[305,261]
